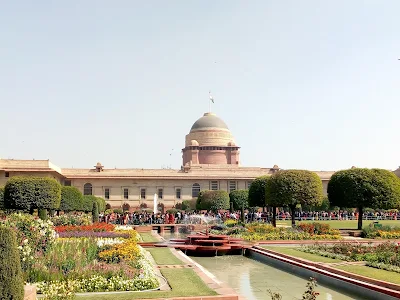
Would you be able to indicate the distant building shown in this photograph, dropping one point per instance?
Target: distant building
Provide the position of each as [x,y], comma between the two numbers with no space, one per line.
[211,161]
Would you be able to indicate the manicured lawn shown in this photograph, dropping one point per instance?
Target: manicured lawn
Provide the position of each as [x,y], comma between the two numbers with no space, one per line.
[350,224]
[300,254]
[183,283]
[379,274]
[164,256]
[148,237]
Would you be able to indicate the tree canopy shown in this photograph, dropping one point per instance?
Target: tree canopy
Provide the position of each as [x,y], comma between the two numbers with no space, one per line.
[28,193]
[239,198]
[71,199]
[212,200]
[361,188]
[257,196]
[292,187]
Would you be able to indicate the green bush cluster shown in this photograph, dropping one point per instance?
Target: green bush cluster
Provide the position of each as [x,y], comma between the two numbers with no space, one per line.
[29,193]
[212,200]
[11,276]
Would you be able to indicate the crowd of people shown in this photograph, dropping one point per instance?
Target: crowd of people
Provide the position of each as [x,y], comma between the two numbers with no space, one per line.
[182,217]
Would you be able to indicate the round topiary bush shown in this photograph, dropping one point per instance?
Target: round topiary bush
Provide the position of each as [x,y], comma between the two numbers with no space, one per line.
[11,277]
[71,199]
[212,200]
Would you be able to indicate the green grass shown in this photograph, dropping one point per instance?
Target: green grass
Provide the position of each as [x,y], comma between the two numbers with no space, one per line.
[183,283]
[370,272]
[164,256]
[350,224]
[300,254]
[148,237]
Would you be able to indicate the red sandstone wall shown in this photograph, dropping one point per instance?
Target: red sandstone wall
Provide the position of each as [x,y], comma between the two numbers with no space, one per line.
[212,157]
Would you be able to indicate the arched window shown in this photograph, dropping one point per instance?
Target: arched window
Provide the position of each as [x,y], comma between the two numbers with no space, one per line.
[195,190]
[87,189]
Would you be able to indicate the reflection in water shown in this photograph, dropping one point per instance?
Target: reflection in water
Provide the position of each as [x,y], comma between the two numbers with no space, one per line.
[253,279]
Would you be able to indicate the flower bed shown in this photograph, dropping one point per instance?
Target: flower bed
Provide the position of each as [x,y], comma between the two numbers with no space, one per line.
[261,231]
[71,219]
[94,258]
[383,256]
[97,227]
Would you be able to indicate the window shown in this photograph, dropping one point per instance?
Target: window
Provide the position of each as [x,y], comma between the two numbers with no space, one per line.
[107,193]
[87,189]
[214,186]
[160,193]
[232,186]
[126,193]
[195,190]
[178,193]
[248,184]
[67,182]
[7,174]
[143,193]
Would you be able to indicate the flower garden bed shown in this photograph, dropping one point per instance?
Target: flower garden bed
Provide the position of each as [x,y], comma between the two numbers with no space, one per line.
[384,256]
[93,258]
[260,231]
[382,232]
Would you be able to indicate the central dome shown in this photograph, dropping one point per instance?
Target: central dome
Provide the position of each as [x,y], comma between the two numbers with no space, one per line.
[209,120]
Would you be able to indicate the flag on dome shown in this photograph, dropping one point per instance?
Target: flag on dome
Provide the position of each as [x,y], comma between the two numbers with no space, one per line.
[211,97]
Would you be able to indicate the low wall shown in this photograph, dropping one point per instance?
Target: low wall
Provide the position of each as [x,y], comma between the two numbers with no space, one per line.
[345,284]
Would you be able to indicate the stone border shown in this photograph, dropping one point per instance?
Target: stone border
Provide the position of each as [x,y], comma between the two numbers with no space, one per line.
[327,275]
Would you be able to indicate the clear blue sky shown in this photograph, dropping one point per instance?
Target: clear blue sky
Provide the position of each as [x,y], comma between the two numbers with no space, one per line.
[301,84]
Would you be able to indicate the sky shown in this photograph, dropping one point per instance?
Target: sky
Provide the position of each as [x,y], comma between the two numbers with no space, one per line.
[301,84]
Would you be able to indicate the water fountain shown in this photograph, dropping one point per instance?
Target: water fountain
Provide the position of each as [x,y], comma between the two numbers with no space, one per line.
[206,244]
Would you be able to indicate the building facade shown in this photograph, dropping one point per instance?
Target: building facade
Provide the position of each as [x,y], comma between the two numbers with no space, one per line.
[210,161]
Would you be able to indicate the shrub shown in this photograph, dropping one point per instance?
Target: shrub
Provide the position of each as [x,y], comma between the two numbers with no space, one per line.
[95,213]
[71,199]
[189,204]
[88,203]
[28,193]
[42,213]
[118,211]
[101,204]
[11,279]
[108,206]
[213,200]
[239,198]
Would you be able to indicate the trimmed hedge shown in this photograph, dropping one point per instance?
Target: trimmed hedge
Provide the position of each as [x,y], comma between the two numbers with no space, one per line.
[88,201]
[11,277]
[212,200]
[28,193]
[71,199]
[239,198]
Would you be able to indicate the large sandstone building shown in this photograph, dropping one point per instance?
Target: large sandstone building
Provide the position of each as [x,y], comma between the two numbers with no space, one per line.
[211,161]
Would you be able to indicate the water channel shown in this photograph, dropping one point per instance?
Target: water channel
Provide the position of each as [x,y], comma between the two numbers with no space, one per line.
[252,279]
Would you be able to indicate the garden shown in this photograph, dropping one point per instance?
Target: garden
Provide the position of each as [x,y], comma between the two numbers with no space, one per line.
[67,259]
[254,232]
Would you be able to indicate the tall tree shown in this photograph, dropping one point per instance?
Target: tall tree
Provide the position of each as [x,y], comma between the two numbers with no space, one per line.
[257,191]
[361,188]
[239,198]
[292,187]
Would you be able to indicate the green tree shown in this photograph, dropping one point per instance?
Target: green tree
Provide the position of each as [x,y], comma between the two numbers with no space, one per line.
[325,206]
[101,204]
[1,198]
[293,187]
[239,198]
[88,203]
[71,199]
[212,200]
[257,195]
[362,188]
[189,204]
[29,193]
[11,277]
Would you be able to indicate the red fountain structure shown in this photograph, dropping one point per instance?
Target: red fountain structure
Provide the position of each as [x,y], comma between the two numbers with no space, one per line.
[208,245]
